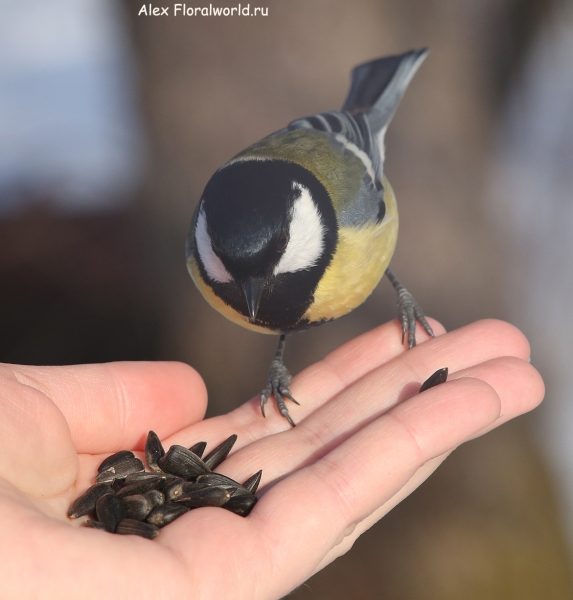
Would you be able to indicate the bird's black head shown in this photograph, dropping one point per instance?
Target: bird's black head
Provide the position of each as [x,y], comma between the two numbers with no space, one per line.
[264,233]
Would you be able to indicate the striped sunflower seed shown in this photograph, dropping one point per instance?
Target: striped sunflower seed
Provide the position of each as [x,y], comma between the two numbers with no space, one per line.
[137,507]
[153,451]
[110,511]
[165,514]
[120,469]
[241,505]
[198,448]
[252,483]
[133,527]
[182,462]
[220,453]
[114,459]
[436,378]
[208,496]
[86,503]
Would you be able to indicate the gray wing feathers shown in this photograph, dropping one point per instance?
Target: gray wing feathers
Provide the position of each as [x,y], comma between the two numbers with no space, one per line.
[378,86]
[376,90]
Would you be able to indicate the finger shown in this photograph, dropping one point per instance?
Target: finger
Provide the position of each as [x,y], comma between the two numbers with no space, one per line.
[112,406]
[353,532]
[525,393]
[38,455]
[317,384]
[520,389]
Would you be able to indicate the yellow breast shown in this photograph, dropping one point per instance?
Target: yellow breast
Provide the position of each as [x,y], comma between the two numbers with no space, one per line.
[361,258]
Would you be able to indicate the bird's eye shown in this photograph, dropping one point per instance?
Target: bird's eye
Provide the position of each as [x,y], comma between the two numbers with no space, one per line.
[282,243]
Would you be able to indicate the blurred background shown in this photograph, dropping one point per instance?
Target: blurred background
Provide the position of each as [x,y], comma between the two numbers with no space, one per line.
[111,123]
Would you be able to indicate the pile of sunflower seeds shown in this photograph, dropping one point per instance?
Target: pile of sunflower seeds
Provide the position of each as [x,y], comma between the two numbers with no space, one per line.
[127,499]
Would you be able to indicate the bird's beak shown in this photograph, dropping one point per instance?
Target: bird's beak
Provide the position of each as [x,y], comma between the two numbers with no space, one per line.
[253,289]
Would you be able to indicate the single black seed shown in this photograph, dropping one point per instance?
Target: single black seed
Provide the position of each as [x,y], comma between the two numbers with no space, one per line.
[133,527]
[220,453]
[209,496]
[153,450]
[137,507]
[241,505]
[182,462]
[436,378]
[174,489]
[109,511]
[120,470]
[252,483]
[112,460]
[156,497]
[198,448]
[86,503]
[160,478]
[165,514]
[217,479]
[139,487]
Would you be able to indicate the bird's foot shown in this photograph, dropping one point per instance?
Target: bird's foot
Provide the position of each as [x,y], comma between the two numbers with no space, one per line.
[278,386]
[409,311]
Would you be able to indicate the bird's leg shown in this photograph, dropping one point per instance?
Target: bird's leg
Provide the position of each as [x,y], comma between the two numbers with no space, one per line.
[409,311]
[279,382]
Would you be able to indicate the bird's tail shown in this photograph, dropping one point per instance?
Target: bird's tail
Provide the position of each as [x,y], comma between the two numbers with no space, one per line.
[378,86]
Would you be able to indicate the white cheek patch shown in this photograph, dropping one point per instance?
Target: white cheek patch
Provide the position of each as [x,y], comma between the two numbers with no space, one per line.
[306,235]
[212,263]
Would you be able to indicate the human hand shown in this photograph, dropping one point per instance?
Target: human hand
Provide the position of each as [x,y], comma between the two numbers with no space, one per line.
[364,440]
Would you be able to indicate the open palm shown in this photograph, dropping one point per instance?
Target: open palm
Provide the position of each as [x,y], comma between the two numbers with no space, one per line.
[365,440]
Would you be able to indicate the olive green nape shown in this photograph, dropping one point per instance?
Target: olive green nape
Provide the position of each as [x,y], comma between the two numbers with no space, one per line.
[339,170]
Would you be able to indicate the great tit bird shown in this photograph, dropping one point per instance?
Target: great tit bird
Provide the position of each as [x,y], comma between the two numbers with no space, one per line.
[299,228]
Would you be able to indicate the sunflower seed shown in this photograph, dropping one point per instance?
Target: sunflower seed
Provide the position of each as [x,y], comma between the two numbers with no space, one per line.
[139,487]
[241,505]
[137,507]
[220,453]
[160,478]
[217,479]
[156,497]
[112,460]
[165,514]
[181,461]
[174,489]
[153,450]
[209,496]
[133,527]
[252,483]
[198,448]
[120,470]
[109,511]
[436,378]
[86,503]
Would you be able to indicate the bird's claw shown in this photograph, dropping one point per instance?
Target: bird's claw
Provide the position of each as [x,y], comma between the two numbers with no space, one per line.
[409,312]
[278,386]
